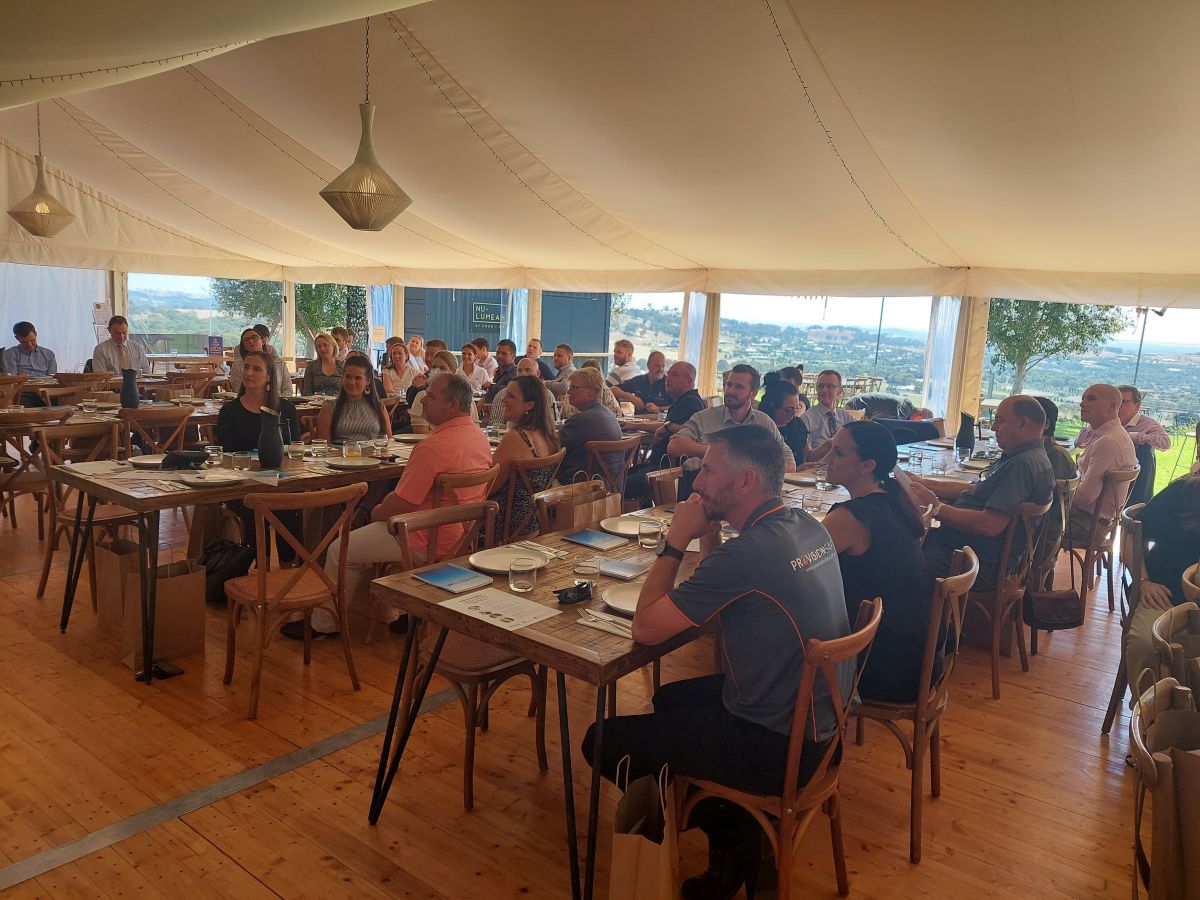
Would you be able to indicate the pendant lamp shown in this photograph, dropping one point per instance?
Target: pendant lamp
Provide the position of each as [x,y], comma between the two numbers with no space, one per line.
[366,196]
[40,213]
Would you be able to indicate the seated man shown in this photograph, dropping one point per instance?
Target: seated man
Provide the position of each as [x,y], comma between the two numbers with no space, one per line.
[457,445]
[624,366]
[533,351]
[685,403]
[647,392]
[506,368]
[28,358]
[976,515]
[1109,449]
[767,604]
[741,384]
[592,421]
[1142,429]
[119,352]
[564,361]
[824,419]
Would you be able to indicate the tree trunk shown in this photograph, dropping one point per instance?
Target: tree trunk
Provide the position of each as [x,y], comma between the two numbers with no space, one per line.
[1019,376]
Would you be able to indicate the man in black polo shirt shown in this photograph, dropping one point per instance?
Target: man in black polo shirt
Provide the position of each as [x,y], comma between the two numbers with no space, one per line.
[976,515]
[685,401]
[771,588]
[648,392]
[506,368]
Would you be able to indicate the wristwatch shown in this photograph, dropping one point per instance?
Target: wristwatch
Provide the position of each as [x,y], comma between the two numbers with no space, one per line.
[937,509]
[665,549]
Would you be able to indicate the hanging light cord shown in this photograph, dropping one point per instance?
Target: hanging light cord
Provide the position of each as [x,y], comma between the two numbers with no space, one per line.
[368,62]
[37,111]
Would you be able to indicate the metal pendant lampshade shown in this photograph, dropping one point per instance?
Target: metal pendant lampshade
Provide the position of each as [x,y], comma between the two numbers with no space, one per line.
[366,196]
[40,213]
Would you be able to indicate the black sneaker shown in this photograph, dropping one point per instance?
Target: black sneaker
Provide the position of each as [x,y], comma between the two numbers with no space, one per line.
[295,631]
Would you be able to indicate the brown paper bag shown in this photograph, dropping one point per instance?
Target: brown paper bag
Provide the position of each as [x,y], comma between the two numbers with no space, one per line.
[179,613]
[116,560]
[645,856]
[586,509]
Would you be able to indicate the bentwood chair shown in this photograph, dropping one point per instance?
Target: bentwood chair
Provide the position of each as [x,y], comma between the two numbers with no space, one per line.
[10,388]
[1133,559]
[925,713]
[1176,636]
[160,429]
[527,476]
[92,381]
[1097,548]
[102,441]
[273,595]
[611,460]
[664,485]
[26,476]
[474,669]
[1002,604]
[785,816]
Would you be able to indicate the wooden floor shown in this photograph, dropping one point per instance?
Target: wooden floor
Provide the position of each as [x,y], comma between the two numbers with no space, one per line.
[1035,802]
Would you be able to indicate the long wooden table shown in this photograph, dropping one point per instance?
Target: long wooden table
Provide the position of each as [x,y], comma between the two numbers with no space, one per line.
[559,642]
[148,492]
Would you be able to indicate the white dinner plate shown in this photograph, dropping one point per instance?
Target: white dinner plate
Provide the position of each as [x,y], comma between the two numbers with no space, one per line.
[410,439]
[975,465]
[496,560]
[941,442]
[622,598]
[209,479]
[107,405]
[353,462]
[626,526]
[150,461]
[808,479]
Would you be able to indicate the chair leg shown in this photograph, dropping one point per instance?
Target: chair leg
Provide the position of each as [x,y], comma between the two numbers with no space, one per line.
[839,852]
[920,740]
[260,647]
[51,546]
[1120,683]
[860,730]
[935,759]
[612,700]
[1019,633]
[1108,567]
[91,561]
[230,641]
[1033,641]
[354,682]
[470,705]
[997,623]
[41,517]
[307,636]
[540,721]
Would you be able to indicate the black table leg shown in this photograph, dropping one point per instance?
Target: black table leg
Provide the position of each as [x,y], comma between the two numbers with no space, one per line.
[589,877]
[80,540]
[410,639]
[379,795]
[148,572]
[564,738]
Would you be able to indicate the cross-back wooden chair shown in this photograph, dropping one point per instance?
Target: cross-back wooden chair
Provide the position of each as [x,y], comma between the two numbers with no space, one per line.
[102,440]
[61,396]
[271,595]
[448,488]
[161,428]
[1002,604]
[925,713]
[474,669]
[1064,496]
[1176,637]
[785,817]
[93,381]
[201,383]
[1097,549]
[526,478]
[27,475]
[10,388]
[1133,561]
[602,460]
[664,485]
[548,502]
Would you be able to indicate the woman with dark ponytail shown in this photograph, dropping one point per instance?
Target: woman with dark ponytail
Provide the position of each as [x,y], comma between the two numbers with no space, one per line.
[781,401]
[878,533]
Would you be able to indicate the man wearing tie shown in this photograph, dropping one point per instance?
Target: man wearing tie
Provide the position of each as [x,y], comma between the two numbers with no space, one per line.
[824,419]
[118,352]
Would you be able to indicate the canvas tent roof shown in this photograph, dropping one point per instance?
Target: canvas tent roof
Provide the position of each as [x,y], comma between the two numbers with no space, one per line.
[872,148]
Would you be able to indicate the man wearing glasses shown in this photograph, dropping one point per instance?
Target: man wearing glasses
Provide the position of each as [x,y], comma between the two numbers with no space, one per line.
[824,419]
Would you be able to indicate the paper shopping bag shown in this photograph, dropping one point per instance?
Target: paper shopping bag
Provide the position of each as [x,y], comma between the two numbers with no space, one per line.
[179,613]
[116,560]
[645,857]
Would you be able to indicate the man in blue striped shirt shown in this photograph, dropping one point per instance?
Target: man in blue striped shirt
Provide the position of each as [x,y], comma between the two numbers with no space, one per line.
[27,358]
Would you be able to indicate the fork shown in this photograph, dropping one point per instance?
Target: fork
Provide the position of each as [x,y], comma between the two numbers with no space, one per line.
[530,545]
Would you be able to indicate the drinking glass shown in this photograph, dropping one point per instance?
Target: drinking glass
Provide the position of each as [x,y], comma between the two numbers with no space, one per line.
[915,460]
[937,469]
[352,449]
[522,574]
[809,503]
[380,444]
[215,454]
[295,450]
[822,482]
[185,395]
[241,461]
[320,447]
[87,405]
[586,571]
[649,534]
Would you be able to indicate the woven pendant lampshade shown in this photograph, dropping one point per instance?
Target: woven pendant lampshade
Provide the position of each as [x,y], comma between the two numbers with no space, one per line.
[366,196]
[40,213]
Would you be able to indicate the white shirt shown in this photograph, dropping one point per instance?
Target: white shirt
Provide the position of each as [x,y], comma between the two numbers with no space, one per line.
[617,374]
[106,357]
[1110,450]
[489,366]
[816,420]
[478,376]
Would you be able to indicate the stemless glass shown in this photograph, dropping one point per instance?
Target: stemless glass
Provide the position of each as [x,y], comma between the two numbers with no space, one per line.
[185,395]
[320,447]
[822,479]
[586,571]
[522,574]
[295,450]
[352,449]
[380,444]
[241,461]
[649,534]
[215,454]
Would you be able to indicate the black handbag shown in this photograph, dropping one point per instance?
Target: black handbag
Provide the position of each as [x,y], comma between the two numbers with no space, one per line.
[184,459]
[223,559]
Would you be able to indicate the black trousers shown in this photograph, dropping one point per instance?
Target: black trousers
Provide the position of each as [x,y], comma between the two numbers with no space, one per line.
[693,733]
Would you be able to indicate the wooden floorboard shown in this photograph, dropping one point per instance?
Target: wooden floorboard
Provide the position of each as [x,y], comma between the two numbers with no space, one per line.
[1035,802]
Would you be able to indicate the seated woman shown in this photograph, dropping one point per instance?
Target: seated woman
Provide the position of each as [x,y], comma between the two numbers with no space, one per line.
[795,375]
[416,353]
[1171,520]
[252,342]
[441,361]
[497,411]
[531,435]
[877,533]
[781,401]
[240,423]
[397,373]
[356,414]
[477,375]
[323,375]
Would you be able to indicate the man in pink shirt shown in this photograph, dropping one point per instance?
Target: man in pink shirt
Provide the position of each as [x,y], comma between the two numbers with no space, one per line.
[1110,449]
[456,445]
[1142,429]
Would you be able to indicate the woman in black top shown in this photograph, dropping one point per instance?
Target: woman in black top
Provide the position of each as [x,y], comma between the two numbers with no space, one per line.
[781,401]
[877,533]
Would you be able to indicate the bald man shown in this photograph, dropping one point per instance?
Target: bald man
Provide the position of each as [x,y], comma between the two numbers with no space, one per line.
[1110,449]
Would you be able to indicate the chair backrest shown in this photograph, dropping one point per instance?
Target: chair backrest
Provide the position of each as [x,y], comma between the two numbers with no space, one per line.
[479,528]
[64,396]
[1133,553]
[93,380]
[448,487]
[523,473]
[16,428]
[1116,485]
[161,429]
[611,460]
[265,506]
[1176,638]
[945,628]
[1028,517]
[547,502]
[79,443]
[1191,583]
[664,485]
[201,383]
[822,659]
[1064,496]
[10,388]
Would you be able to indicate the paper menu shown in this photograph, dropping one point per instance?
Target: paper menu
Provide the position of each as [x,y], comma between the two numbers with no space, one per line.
[500,608]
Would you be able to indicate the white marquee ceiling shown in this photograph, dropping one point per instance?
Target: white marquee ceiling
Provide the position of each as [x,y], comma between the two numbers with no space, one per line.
[1037,149]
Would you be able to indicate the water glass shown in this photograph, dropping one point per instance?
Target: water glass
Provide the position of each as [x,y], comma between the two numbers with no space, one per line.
[938,469]
[809,503]
[185,395]
[241,461]
[351,449]
[215,455]
[522,574]
[649,534]
[586,571]
[822,483]
[295,450]
[380,444]
[87,405]
[320,448]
